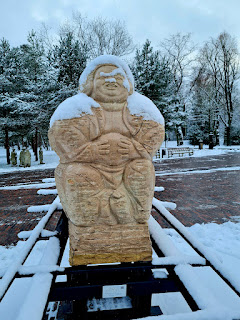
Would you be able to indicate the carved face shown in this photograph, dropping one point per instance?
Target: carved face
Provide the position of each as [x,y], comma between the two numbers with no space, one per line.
[108,85]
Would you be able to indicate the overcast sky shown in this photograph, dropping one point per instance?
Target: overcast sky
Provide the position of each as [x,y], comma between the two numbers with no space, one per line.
[152,19]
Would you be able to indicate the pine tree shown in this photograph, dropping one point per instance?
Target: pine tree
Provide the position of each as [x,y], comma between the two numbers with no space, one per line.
[13,82]
[146,71]
[34,64]
[70,59]
[154,79]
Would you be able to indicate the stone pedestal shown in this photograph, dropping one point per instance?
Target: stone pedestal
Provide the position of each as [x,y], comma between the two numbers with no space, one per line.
[106,244]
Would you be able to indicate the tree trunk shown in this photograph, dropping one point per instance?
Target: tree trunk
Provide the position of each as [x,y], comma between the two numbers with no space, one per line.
[227,136]
[36,144]
[7,145]
[179,135]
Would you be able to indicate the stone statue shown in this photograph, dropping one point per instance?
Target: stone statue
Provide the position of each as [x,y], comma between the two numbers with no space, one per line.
[21,157]
[40,155]
[106,137]
[27,158]
[13,157]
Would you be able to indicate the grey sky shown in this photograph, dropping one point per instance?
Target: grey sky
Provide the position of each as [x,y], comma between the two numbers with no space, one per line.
[153,19]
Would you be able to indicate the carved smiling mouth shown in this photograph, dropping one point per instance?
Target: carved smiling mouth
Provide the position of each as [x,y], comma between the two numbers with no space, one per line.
[111,86]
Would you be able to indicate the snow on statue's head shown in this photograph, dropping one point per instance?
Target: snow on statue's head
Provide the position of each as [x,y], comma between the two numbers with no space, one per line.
[107,79]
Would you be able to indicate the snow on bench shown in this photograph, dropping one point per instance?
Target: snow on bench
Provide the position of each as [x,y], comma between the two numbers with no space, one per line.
[43,208]
[37,293]
[179,151]
[47,191]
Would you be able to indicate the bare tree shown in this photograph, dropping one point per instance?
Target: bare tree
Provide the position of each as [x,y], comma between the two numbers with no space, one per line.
[100,35]
[219,65]
[179,50]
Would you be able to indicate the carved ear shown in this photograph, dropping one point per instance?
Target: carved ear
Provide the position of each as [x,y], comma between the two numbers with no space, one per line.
[131,88]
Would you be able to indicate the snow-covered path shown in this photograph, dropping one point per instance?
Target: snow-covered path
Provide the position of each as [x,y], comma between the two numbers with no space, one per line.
[191,171]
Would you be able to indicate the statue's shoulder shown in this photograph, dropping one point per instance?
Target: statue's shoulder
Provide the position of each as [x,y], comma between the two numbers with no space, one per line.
[74,107]
[140,105]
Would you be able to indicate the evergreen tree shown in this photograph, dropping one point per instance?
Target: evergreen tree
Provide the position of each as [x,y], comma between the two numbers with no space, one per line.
[70,59]
[13,82]
[154,79]
[34,63]
[146,70]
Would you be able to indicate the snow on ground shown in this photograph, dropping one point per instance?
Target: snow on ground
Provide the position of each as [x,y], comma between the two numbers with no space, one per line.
[50,160]
[200,153]
[187,171]
[29,186]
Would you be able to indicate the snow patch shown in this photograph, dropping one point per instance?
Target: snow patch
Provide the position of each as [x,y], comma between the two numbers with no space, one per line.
[215,259]
[44,233]
[160,173]
[140,105]
[158,189]
[48,180]
[29,186]
[74,107]
[43,208]
[111,80]
[47,191]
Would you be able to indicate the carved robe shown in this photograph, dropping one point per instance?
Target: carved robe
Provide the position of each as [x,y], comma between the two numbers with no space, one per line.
[111,188]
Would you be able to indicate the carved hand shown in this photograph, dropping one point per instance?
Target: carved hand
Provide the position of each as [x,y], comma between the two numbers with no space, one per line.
[126,147]
[103,147]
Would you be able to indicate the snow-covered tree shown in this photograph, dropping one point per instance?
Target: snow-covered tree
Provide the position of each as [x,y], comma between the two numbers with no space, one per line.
[154,79]
[70,59]
[99,35]
[13,82]
[146,70]
[220,69]
[25,83]
[179,49]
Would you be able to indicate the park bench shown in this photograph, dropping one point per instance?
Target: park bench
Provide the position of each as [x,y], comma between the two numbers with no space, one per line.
[179,151]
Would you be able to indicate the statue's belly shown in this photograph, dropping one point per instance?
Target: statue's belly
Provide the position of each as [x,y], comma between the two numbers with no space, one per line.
[119,149]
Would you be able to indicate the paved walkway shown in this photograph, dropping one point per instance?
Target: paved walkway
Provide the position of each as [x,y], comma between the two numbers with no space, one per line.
[14,203]
[205,189]
[201,191]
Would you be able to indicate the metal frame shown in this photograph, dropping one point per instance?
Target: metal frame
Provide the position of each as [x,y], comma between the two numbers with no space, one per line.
[86,282]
